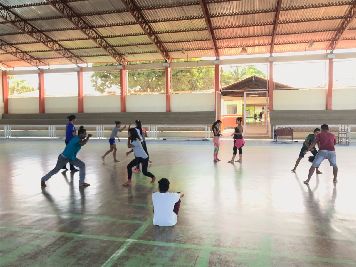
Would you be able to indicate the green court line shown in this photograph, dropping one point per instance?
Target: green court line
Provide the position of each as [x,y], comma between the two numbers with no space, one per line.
[264,254]
[182,245]
[127,244]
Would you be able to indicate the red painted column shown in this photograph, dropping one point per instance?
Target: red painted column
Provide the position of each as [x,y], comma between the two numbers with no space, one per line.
[217,87]
[270,85]
[80,91]
[168,88]
[329,96]
[5,91]
[41,96]
[123,86]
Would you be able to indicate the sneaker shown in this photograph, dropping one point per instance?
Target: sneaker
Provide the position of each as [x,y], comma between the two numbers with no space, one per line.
[84,184]
[74,170]
[43,184]
[231,161]
[136,170]
[127,184]
[306,182]
[334,181]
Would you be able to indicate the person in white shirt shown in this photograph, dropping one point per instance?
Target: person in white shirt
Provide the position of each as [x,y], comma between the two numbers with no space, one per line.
[165,205]
[134,143]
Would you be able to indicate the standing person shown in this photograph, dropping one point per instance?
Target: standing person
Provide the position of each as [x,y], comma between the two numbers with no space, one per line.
[215,128]
[326,142]
[141,156]
[70,133]
[113,135]
[142,135]
[239,142]
[165,204]
[305,148]
[70,155]
[241,131]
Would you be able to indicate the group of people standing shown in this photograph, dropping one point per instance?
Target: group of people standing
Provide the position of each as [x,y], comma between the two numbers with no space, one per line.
[239,141]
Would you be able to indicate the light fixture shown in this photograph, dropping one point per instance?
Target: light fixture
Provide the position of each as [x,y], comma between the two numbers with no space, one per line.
[119,66]
[330,55]
[166,64]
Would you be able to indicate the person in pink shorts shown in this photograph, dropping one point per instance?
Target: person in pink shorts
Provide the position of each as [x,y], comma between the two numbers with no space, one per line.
[239,142]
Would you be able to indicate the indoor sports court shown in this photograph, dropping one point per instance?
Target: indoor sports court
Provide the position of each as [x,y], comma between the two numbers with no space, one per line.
[247,107]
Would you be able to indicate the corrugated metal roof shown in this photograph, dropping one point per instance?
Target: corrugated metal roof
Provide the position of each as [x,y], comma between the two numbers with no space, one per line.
[241,32]
[110,19]
[129,40]
[7,57]
[192,24]
[93,6]
[37,12]
[17,63]
[233,7]
[243,20]
[173,13]
[181,26]
[184,36]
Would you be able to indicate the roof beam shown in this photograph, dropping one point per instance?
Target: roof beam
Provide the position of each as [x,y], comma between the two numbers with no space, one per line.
[35,33]
[12,50]
[350,15]
[205,9]
[275,25]
[146,27]
[88,30]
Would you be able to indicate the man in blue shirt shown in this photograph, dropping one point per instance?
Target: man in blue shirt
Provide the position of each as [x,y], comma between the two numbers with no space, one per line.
[70,155]
[70,133]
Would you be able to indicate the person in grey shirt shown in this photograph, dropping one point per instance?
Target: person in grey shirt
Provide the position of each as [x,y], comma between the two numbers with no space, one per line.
[112,143]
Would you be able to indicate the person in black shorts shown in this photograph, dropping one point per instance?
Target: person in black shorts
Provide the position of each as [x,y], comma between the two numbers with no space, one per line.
[308,141]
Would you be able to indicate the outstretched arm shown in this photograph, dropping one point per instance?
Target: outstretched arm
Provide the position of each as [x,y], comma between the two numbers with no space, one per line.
[85,140]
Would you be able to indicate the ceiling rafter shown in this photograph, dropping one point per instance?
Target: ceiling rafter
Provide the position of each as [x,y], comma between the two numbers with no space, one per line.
[275,24]
[350,15]
[35,33]
[14,51]
[146,27]
[205,9]
[88,30]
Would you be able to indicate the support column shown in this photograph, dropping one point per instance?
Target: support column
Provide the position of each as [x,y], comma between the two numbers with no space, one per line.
[41,96]
[123,86]
[5,91]
[217,87]
[270,86]
[168,88]
[329,95]
[80,91]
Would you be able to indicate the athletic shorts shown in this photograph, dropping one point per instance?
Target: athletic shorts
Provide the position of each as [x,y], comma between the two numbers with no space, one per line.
[216,140]
[304,151]
[112,141]
[325,154]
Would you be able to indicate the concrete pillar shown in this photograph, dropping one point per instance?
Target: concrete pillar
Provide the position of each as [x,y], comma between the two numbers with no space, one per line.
[80,91]
[329,95]
[123,86]
[168,72]
[41,96]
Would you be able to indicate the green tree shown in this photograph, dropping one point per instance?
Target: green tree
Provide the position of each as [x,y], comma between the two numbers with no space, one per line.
[230,76]
[18,86]
[104,81]
[146,81]
[193,79]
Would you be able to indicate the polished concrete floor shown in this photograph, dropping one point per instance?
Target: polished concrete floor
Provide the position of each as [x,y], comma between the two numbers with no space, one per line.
[254,214]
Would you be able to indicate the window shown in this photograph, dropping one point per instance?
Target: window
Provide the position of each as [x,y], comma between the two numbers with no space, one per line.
[61,84]
[200,79]
[146,81]
[23,85]
[101,83]
[231,109]
[344,73]
[311,74]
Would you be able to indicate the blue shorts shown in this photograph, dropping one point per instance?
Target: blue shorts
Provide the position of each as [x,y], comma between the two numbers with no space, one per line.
[112,141]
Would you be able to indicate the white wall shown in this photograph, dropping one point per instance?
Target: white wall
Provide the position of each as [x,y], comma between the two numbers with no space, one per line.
[61,104]
[1,98]
[151,103]
[25,105]
[304,99]
[344,99]
[107,103]
[192,102]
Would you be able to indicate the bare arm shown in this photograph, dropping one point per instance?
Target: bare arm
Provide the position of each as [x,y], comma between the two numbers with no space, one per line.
[85,140]
[312,145]
[129,152]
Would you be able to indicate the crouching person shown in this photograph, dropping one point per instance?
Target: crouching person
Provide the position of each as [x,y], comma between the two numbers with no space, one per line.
[165,205]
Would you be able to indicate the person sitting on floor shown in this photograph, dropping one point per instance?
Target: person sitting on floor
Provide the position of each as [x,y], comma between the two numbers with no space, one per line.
[165,205]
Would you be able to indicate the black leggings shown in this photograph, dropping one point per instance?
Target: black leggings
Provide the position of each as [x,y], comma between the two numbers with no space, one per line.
[136,162]
[144,146]
[235,150]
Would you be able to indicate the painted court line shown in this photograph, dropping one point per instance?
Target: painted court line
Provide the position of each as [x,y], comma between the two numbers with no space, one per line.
[127,243]
[241,252]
